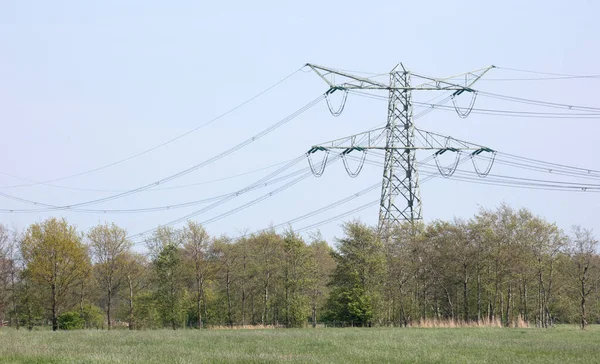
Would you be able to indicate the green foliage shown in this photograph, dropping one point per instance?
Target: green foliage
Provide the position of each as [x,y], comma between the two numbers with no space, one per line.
[146,313]
[93,316]
[356,280]
[169,294]
[109,248]
[70,321]
[297,264]
[56,259]
[503,266]
[349,305]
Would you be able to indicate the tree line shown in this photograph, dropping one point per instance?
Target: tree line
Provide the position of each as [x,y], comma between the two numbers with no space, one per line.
[502,267]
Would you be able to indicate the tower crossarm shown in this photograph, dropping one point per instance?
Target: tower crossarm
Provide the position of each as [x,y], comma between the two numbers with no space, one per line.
[373,139]
[355,82]
[362,82]
[447,83]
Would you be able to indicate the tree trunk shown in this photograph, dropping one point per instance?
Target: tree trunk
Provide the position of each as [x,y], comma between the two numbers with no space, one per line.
[287,302]
[108,304]
[204,299]
[265,315]
[244,291]
[199,301]
[252,307]
[172,304]
[583,296]
[525,314]
[449,299]
[548,295]
[465,294]
[501,308]
[229,301]
[478,294]
[130,323]
[243,305]
[508,303]
[14,297]
[81,295]
[54,308]
[314,314]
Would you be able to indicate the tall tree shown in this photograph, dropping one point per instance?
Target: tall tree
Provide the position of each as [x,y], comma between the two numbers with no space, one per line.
[197,247]
[109,246]
[168,265]
[297,259]
[244,272]
[267,248]
[7,266]
[56,259]
[320,266]
[356,280]
[227,270]
[136,276]
[586,266]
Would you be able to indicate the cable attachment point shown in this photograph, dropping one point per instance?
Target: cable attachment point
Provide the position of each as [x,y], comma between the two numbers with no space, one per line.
[464,114]
[317,172]
[354,174]
[450,170]
[490,164]
[337,112]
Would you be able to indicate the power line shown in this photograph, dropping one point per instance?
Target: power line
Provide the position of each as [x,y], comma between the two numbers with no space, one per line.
[337,217]
[333,205]
[585,170]
[509,181]
[537,102]
[246,205]
[509,113]
[161,208]
[463,176]
[197,166]
[222,201]
[545,73]
[160,188]
[166,142]
[591,77]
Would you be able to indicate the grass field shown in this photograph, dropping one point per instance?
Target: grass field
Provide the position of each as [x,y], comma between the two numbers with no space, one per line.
[564,345]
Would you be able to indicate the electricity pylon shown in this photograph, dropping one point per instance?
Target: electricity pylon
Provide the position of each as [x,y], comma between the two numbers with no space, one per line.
[400,193]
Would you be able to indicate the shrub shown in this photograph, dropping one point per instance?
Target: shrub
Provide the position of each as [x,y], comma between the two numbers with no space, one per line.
[93,316]
[70,321]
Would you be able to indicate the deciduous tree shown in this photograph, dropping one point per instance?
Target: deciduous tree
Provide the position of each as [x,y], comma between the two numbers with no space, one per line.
[56,259]
[109,246]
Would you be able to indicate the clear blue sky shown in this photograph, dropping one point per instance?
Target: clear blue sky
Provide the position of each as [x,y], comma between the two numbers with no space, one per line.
[83,84]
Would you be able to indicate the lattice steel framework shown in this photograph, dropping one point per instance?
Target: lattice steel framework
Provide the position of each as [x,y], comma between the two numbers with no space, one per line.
[400,174]
[400,193]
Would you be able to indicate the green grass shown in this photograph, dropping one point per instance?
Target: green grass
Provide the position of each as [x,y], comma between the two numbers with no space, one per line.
[564,345]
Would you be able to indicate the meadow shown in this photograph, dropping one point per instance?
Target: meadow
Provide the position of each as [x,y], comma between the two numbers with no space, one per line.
[563,344]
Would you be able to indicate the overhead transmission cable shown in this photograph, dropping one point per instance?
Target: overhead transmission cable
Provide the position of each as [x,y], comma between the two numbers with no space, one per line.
[201,183]
[159,208]
[330,206]
[508,181]
[228,198]
[347,213]
[246,205]
[164,143]
[197,166]
[544,73]
[538,102]
[471,109]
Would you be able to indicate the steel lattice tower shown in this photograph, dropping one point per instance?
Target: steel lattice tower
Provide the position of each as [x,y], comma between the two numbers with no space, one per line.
[400,175]
[400,193]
